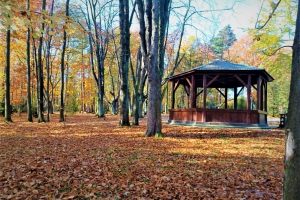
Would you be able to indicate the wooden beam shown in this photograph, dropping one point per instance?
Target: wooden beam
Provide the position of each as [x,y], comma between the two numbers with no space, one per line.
[249,93]
[204,91]
[176,85]
[240,91]
[248,99]
[254,87]
[235,98]
[266,96]
[258,91]
[200,92]
[193,95]
[173,95]
[187,101]
[238,78]
[212,80]
[189,82]
[226,94]
[221,92]
[187,90]
[204,98]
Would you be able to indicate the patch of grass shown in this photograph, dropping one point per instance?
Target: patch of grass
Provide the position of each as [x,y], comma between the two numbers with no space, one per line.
[159,135]
[148,158]
[146,180]
[64,189]
[99,195]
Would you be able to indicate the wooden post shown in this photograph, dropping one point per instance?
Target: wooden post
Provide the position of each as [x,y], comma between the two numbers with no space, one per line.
[188,97]
[249,93]
[262,94]
[193,92]
[226,94]
[248,98]
[204,98]
[172,95]
[266,96]
[235,98]
[259,96]
[204,91]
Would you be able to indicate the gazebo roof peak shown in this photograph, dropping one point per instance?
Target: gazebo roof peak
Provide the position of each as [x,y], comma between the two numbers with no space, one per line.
[225,65]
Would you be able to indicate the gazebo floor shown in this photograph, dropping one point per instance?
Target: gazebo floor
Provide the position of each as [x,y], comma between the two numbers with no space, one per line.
[222,125]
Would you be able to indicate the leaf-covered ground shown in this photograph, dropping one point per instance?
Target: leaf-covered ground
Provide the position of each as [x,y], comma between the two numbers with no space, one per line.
[90,158]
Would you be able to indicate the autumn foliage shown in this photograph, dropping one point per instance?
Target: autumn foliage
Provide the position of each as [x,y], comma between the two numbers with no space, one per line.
[91,158]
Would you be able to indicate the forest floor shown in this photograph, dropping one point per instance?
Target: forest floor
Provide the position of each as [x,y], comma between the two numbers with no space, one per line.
[91,158]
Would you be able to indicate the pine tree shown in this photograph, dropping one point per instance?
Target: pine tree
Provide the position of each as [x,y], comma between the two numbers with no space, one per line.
[223,41]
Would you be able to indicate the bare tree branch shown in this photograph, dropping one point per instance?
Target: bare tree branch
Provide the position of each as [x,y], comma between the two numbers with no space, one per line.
[274,7]
[272,54]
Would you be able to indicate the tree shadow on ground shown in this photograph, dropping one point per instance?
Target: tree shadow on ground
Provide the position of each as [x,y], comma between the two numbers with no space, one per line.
[206,133]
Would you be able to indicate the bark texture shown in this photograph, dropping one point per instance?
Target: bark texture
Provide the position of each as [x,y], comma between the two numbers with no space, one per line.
[152,33]
[62,70]
[292,156]
[125,53]
[137,83]
[7,116]
[29,106]
[40,73]
[100,41]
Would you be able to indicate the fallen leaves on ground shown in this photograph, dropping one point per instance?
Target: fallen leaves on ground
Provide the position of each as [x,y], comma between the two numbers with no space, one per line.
[91,158]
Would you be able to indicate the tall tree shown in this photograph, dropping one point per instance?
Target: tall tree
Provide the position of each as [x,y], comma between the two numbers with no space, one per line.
[29,109]
[99,21]
[62,68]
[292,152]
[138,78]
[272,43]
[125,55]
[223,41]
[7,75]
[152,47]
[40,74]
[47,58]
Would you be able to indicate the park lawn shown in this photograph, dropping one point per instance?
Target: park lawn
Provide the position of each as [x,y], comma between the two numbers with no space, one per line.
[90,158]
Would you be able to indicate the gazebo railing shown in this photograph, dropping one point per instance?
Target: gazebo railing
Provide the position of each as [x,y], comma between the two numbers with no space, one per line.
[218,116]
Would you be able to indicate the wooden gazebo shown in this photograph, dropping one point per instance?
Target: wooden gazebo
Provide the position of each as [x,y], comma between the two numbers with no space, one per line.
[224,76]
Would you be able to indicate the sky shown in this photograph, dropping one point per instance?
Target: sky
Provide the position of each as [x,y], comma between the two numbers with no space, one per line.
[244,16]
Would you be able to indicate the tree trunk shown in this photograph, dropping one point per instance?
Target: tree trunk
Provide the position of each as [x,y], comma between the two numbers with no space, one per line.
[62,70]
[100,92]
[135,109]
[160,21]
[139,75]
[125,43]
[114,105]
[141,103]
[142,97]
[7,116]
[29,109]
[292,153]
[40,73]
[100,111]
[48,69]
[153,125]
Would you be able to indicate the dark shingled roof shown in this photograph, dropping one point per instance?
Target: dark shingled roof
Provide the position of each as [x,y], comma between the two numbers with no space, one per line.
[225,65]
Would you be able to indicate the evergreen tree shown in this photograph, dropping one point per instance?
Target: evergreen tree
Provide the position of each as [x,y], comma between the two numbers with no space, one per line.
[223,41]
